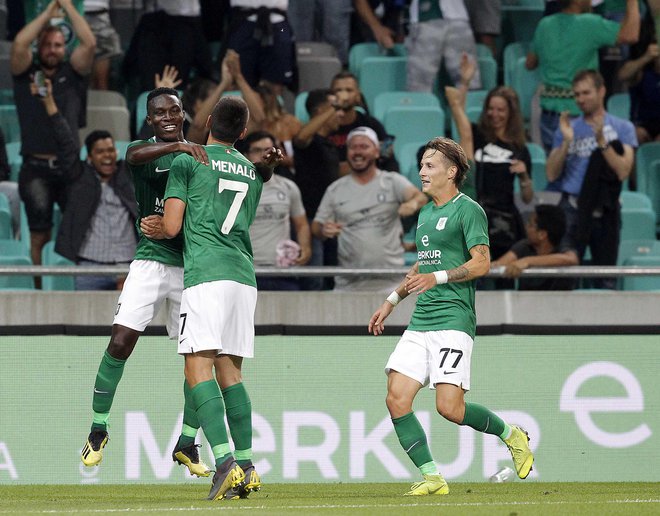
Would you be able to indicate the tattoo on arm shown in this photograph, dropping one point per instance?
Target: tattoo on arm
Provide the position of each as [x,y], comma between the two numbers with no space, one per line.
[483,250]
[458,274]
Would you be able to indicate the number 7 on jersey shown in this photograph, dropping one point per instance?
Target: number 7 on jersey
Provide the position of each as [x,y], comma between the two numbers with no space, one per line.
[241,191]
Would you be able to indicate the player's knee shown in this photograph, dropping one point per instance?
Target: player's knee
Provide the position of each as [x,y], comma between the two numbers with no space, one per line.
[122,343]
[397,405]
[450,411]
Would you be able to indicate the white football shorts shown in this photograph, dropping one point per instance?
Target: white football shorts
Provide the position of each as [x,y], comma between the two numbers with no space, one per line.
[218,315]
[148,284]
[432,357]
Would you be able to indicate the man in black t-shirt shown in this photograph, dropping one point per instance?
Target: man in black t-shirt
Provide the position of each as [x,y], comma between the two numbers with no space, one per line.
[41,180]
[542,248]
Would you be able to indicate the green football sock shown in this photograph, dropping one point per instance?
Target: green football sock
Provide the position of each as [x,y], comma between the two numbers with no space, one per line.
[239,416]
[107,380]
[483,420]
[211,414]
[190,420]
[413,440]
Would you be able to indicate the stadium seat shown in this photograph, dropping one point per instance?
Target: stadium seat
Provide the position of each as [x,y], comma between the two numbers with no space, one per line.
[9,123]
[413,124]
[15,159]
[474,101]
[50,257]
[629,248]
[24,237]
[519,20]
[408,163]
[647,170]
[360,51]
[525,82]
[115,119]
[315,49]
[619,105]
[512,52]
[638,224]
[539,177]
[300,111]
[6,231]
[483,50]
[105,98]
[12,252]
[317,71]
[488,72]
[648,283]
[635,200]
[381,74]
[388,99]
[6,96]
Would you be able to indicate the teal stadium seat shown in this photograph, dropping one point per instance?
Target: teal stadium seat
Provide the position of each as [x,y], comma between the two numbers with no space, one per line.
[6,96]
[408,163]
[6,230]
[360,51]
[12,252]
[488,72]
[50,257]
[413,124]
[299,109]
[474,101]
[15,159]
[525,82]
[647,170]
[630,248]
[635,201]
[539,178]
[638,224]
[619,105]
[520,18]
[512,52]
[648,283]
[9,123]
[381,74]
[388,99]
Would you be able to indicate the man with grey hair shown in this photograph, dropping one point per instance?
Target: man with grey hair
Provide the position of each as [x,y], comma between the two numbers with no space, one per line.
[363,209]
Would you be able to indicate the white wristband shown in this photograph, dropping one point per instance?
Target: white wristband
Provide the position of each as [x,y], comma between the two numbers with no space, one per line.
[441,277]
[394,298]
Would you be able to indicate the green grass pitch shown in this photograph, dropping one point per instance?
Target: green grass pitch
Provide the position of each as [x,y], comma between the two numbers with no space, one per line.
[510,499]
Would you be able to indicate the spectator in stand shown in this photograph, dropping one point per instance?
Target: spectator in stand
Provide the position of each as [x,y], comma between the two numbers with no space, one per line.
[643,76]
[280,206]
[42,181]
[567,42]
[9,188]
[486,21]
[346,89]
[379,21]
[169,33]
[97,15]
[438,31]
[497,146]
[260,33]
[363,211]
[591,156]
[277,121]
[99,228]
[543,247]
[320,20]
[316,160]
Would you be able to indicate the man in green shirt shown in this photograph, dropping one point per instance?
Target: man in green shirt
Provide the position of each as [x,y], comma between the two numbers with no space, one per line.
[155,277]
[215,203]
[452,252]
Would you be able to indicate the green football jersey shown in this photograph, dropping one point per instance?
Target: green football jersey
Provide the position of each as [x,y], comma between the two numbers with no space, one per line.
[445,235]
[150,180]
[221,201]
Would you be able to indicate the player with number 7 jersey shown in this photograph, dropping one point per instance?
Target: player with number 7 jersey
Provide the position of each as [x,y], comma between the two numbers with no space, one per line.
[221,201]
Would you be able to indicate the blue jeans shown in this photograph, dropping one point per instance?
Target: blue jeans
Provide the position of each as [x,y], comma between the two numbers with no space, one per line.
[549,124]
[95,282]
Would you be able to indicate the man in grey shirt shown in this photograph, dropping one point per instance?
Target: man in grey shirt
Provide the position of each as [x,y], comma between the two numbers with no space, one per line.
[363,211]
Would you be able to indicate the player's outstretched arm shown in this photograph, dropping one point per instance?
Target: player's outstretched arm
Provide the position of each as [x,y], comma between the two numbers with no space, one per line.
[141,154]
[377,321]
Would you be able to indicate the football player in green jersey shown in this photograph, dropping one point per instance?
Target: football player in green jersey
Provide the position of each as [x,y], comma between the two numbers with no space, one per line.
[155,276]
[215,204]
[452,251]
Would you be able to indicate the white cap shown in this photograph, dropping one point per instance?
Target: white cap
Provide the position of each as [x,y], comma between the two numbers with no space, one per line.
[364,131]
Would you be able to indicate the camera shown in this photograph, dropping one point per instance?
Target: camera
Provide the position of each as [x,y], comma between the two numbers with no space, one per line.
[40,81]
